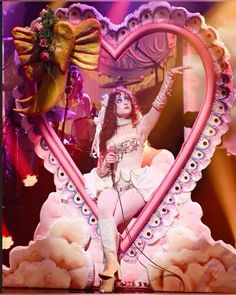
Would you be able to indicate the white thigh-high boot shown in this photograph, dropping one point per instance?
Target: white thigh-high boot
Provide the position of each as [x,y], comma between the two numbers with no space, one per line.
[109,239]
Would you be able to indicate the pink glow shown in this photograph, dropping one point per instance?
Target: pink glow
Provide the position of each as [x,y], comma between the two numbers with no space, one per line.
[17,156]
[197,129]
[69,167]
[118,11]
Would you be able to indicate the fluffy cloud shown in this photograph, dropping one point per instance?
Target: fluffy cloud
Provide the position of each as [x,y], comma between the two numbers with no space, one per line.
[194,264]
[55,261]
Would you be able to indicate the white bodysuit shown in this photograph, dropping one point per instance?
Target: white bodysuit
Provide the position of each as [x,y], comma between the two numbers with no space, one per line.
[128,169]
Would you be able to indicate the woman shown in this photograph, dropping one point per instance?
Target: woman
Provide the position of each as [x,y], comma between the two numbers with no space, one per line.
[119,144]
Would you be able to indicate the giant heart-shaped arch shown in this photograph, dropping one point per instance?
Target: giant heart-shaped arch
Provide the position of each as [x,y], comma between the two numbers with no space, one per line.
[213,114]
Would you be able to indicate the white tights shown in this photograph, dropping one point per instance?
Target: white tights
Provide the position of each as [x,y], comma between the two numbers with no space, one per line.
[109,205]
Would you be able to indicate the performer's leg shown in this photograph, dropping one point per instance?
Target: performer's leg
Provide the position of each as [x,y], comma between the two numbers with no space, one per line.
[131,202]
[107,202]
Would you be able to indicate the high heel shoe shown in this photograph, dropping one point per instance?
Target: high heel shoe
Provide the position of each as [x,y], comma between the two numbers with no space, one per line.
[107,286]
[112,268]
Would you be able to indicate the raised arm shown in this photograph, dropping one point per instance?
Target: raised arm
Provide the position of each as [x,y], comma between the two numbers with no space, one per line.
[150,119]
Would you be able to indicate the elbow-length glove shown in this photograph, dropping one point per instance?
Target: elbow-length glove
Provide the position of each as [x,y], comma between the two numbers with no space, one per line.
[161,99]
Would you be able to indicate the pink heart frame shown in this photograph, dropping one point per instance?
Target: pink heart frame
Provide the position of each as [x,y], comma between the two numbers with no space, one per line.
[197,148]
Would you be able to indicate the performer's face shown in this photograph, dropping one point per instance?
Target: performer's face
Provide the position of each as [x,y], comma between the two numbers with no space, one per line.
[123,105]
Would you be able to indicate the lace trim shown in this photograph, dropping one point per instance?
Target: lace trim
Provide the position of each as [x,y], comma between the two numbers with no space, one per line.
[127,184]
[121,122]
[131,172]
[128,146]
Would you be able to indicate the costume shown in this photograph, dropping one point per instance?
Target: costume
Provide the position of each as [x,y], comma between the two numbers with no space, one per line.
[129,171]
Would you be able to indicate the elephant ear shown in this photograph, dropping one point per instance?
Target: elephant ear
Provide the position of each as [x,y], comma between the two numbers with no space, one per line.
[53,82]
[24,42]
[87,47]
[80,44]
[62,44]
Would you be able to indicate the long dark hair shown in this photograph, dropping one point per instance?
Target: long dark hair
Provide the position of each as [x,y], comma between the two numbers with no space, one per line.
[110,118]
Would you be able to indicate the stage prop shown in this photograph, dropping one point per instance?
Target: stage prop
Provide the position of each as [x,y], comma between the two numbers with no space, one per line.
[66,250]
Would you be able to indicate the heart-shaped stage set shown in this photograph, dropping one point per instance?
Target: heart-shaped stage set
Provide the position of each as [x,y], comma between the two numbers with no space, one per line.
[165,247]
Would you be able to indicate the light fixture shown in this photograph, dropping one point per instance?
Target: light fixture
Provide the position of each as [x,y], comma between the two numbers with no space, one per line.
[30,180]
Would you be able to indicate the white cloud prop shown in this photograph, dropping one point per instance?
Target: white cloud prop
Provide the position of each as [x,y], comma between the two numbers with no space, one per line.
[41,274]
[204,266]
[55,261]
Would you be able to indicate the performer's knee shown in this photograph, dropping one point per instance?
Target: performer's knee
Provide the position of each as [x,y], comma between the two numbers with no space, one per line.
[106,203]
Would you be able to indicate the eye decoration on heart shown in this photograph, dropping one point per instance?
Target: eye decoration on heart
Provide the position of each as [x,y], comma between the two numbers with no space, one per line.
[170,207]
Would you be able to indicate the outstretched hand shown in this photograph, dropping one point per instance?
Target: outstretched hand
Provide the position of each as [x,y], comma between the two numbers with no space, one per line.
[179,70]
